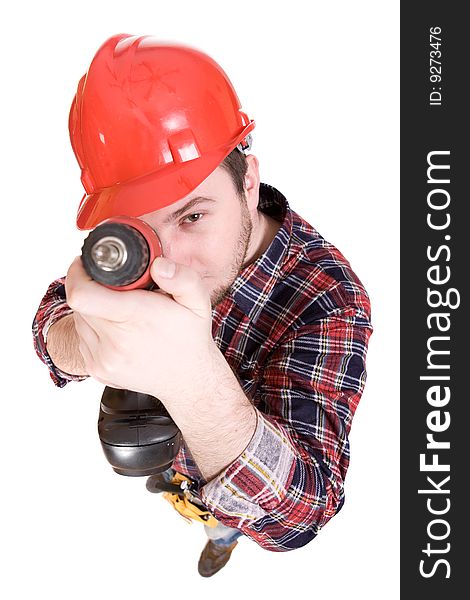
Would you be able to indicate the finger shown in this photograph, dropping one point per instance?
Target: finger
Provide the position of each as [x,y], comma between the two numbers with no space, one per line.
[183,283]
[90,298]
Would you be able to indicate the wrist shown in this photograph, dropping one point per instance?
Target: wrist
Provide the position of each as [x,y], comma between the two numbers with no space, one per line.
[62,345]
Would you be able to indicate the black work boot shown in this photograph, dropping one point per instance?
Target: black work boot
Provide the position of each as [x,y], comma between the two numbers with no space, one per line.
[213,558]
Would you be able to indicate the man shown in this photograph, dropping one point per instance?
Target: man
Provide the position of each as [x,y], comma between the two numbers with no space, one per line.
[255,341]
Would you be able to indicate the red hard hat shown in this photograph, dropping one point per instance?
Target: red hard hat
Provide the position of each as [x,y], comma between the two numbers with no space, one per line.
[149,122]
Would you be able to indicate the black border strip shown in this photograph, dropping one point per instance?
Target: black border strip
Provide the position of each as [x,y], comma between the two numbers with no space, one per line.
[435,338]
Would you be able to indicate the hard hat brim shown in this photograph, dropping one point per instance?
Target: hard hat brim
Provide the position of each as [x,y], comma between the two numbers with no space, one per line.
[151,192]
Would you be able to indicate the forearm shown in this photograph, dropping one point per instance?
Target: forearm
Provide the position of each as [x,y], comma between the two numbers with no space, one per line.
[219,421]
[63,347]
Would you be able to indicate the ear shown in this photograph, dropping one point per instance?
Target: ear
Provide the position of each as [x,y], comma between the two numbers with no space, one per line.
[252,182]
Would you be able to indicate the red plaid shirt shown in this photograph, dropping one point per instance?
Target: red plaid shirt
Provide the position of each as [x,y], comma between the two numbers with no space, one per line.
[295,329]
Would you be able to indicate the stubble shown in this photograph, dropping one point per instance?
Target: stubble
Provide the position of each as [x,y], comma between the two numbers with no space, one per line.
[240,253]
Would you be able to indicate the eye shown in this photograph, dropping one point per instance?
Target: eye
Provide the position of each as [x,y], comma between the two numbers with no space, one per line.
[193,218]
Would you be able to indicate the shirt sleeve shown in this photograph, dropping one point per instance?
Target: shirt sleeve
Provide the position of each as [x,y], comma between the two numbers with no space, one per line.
[53,307]
[289,480]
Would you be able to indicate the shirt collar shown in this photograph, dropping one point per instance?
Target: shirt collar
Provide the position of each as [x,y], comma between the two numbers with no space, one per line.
[254,283]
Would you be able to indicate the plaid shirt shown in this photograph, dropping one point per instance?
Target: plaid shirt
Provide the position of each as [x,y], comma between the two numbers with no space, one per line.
[294,329]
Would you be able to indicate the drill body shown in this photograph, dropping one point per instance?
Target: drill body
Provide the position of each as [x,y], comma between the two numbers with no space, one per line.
[137,434]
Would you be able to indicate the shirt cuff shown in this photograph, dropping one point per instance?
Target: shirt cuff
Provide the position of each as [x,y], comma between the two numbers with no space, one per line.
[257,481]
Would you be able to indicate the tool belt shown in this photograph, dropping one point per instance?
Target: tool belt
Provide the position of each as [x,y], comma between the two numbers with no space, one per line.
[182,504]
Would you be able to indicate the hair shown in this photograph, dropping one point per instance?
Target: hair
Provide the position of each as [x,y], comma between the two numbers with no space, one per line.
[236,165]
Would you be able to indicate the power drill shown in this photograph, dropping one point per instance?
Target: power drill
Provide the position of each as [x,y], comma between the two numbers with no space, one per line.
[138,436]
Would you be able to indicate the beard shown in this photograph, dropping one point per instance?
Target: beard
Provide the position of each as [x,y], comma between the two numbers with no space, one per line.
[240,252]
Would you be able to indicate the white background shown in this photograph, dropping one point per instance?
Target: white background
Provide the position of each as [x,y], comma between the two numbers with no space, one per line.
[321,81]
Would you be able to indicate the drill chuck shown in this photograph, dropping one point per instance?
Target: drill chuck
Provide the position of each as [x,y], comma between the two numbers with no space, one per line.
[119,252]
[109,253]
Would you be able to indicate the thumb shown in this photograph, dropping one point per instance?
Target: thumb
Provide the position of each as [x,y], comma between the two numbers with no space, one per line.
[183,283]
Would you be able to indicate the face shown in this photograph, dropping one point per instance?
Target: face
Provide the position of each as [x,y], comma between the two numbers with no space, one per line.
[209,230]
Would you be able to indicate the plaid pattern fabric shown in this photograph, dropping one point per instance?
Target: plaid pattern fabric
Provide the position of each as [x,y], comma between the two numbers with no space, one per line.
[295,330]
